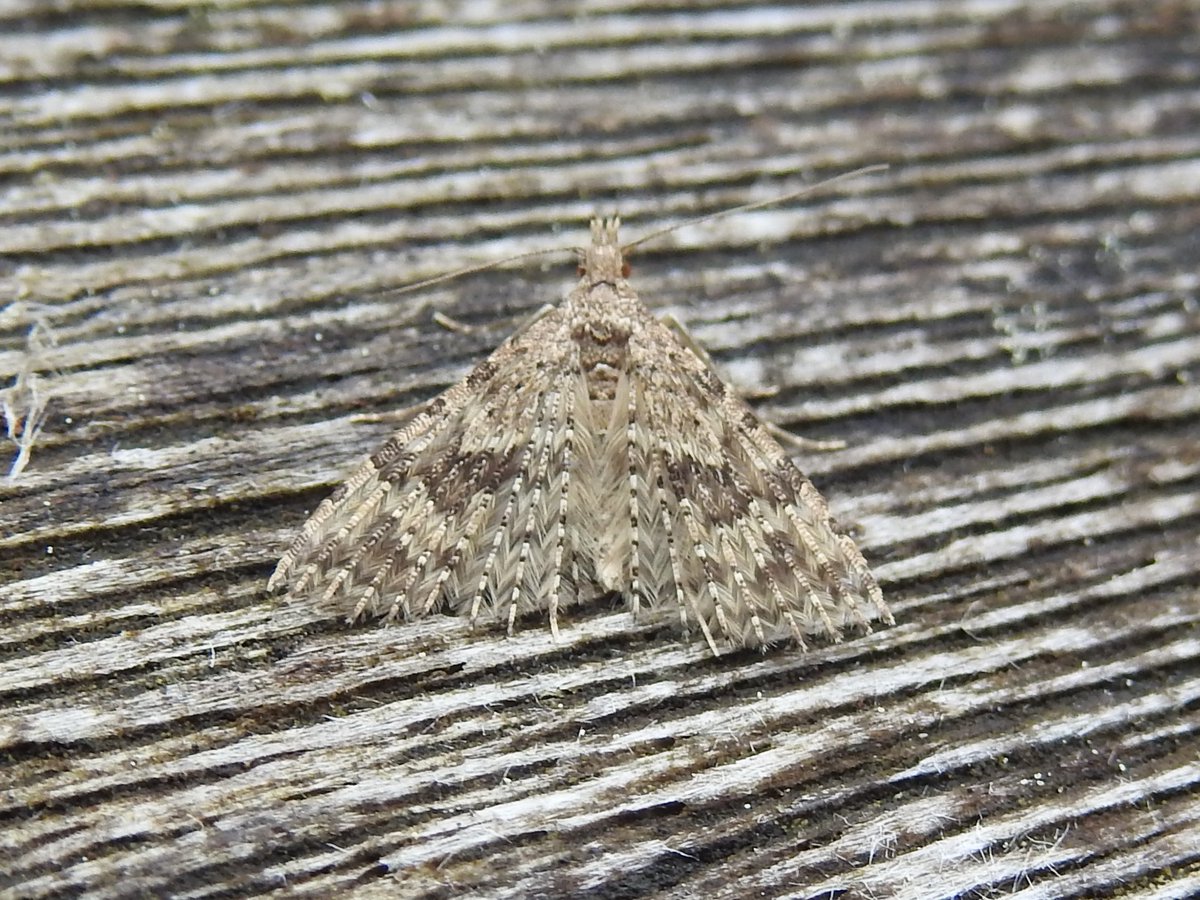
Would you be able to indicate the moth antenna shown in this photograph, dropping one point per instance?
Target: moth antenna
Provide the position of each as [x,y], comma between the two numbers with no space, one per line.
[758,204]
[746,207]
[479,267]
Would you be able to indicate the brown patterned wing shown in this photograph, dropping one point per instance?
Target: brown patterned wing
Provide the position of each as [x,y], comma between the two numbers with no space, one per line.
[466,508]
[730,537]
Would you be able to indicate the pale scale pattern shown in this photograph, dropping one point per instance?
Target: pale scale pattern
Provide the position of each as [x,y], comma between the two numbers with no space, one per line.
[593,453]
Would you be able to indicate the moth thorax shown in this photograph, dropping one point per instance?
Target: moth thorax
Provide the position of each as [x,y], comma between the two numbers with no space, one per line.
[601,326]
[601,331]
[603,364]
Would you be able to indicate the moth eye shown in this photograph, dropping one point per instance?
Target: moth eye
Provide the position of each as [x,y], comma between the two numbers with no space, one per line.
[625,269]
[581,270]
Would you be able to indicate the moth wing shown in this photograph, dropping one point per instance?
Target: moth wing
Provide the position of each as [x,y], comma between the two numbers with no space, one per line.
[730,536]
[465,508]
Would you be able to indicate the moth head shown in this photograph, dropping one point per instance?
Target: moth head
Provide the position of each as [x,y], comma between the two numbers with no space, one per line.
[603,259]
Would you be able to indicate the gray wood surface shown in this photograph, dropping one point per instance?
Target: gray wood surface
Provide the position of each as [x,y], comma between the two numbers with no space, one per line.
[202,208]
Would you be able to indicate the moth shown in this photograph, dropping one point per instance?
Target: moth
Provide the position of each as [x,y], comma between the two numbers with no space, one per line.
[595,454]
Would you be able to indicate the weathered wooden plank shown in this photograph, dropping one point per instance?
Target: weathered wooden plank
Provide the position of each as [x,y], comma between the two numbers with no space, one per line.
[203,212]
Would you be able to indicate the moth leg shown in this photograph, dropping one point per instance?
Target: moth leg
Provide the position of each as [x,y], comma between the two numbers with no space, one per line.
[452,324]
[409,412]
[801,443]
[686,338]
[692,344]
[398,416]
[780,434]
[536,316]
